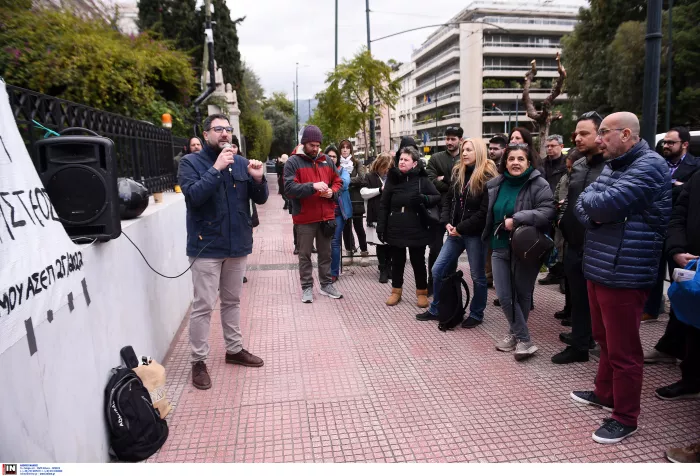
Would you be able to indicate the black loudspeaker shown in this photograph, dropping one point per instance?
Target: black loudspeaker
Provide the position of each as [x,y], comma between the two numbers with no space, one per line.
[80,177]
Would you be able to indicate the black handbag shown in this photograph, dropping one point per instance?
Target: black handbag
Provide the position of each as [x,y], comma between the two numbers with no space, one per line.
[530,245]
[328,228]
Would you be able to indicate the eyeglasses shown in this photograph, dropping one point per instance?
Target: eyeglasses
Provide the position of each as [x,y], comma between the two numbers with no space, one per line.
[513,145]
[670,142]
[220,129]
[604,132]
[591,114]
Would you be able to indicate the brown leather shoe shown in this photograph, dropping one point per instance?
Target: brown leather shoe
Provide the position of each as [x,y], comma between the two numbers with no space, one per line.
[244,358]
[200,376]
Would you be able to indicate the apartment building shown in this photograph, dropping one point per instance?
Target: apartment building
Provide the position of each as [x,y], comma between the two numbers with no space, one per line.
[471,74]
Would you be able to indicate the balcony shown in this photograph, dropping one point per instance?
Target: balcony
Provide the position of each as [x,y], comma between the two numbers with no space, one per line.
[446,120]
[435,63]
[520,49]
[443,80]
[441,101]
[508,94]
[530,25]
[444,35]
[519,72]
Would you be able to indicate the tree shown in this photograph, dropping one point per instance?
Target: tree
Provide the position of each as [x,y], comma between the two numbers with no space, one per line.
[337,117]
[545,116]
[60,54]
[280,102]
[356,76]
[282,131]
[257,131]
[586,50]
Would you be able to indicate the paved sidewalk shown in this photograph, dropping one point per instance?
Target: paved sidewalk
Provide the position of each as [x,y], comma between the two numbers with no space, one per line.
[354,380]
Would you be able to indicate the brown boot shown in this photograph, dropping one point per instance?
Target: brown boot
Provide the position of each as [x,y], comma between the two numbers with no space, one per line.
[200,376]
[244,358]
[422,295]
[689,454]
[395,297]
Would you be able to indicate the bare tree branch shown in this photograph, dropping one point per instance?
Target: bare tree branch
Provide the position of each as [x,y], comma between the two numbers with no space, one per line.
[529,106]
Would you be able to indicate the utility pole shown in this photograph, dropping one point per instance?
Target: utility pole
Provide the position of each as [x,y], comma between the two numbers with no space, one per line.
[296,107]
[652,70]
[669,67]
[309,109]
[208,63]
[336,33]
[294,100]
[372,139]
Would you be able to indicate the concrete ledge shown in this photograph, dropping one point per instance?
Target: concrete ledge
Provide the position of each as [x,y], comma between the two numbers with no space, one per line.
[52,406]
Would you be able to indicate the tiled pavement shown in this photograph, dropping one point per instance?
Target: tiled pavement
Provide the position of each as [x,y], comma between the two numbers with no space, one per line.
[355,380]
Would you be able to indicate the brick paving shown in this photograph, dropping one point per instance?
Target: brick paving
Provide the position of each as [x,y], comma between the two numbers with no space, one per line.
[354,380]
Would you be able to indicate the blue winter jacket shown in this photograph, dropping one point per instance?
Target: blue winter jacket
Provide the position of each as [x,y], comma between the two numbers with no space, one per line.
[344,194]
[218,205]
[626,212]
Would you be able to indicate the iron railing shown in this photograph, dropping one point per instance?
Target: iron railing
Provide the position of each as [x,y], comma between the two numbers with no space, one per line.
[143,152]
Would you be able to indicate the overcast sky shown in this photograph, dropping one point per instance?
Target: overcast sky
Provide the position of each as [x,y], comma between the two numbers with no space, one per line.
[276,34]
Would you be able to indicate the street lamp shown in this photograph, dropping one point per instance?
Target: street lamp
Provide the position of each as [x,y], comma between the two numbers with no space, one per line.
[505,124]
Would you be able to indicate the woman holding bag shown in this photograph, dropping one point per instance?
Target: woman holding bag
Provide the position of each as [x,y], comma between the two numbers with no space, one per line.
[407,195]
[519,196]
[464,210]
[372,195]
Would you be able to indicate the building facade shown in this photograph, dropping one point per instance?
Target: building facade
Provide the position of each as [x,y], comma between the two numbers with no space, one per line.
[471,74]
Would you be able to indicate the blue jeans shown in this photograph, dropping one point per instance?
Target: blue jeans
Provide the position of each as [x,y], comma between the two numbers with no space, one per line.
[335,245]
[447,261]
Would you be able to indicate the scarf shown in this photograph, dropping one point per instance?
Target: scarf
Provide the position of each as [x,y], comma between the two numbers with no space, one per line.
[347,163]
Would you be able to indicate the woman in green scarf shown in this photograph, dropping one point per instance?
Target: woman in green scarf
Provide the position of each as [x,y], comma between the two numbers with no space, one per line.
[519,196]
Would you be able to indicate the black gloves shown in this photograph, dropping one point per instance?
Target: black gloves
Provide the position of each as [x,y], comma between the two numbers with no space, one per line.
[418,200]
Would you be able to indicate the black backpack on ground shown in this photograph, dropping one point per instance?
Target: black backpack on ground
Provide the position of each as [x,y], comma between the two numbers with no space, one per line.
[136,430]
[452,308]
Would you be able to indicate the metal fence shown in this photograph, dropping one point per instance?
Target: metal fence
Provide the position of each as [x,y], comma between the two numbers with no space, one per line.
[143,151]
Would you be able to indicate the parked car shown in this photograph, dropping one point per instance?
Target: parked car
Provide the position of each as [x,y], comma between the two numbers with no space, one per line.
[270,166]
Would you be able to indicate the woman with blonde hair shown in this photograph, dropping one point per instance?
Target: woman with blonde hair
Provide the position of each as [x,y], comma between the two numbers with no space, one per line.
[464,210]
[372,195]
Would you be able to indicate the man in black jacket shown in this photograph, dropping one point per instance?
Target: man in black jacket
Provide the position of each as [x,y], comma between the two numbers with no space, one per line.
[439,171]
[681,165]
[682,246]
[583,173]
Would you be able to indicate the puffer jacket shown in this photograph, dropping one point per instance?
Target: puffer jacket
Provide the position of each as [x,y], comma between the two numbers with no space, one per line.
[583,173]
[470,218]
[398,220]
[534,205]
[300,174]
[344,202]
[358,179]
[219,221]
[626,213]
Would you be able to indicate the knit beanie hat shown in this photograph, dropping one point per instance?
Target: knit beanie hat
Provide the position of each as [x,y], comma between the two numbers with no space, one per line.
[311,134]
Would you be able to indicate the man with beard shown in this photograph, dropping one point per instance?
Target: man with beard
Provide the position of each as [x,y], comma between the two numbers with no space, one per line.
[312,184]
[583,173]
[497,145]
[682,165]
[218,186]
[439,171]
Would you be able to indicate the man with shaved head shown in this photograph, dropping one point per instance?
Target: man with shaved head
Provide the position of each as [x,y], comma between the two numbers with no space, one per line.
[625,212]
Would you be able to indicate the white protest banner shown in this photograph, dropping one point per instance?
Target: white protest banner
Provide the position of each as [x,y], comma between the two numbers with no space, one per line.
[40,267]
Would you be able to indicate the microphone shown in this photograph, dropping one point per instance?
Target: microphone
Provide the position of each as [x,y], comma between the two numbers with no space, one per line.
[227,146]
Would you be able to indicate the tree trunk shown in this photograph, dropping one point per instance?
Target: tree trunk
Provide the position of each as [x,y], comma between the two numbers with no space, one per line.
[545,116]
[364,133]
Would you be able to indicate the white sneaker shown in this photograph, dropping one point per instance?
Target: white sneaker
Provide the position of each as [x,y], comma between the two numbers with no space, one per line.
[506,344]
[330,291]
[307,295]
[523,350]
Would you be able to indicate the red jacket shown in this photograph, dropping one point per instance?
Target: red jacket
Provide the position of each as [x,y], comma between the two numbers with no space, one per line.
[300,174]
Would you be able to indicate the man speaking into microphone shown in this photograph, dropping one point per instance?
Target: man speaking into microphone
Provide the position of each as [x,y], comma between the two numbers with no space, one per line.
[218,185]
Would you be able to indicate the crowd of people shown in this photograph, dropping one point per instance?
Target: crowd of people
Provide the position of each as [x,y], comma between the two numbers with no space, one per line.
[606,205]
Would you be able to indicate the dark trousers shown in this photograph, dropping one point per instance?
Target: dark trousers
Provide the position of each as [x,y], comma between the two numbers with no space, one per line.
[653,304]
[690,367]
[306,234]
[577,290]
[398,263]
[673,340]
[435,248]
[349,239]
[616,315]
